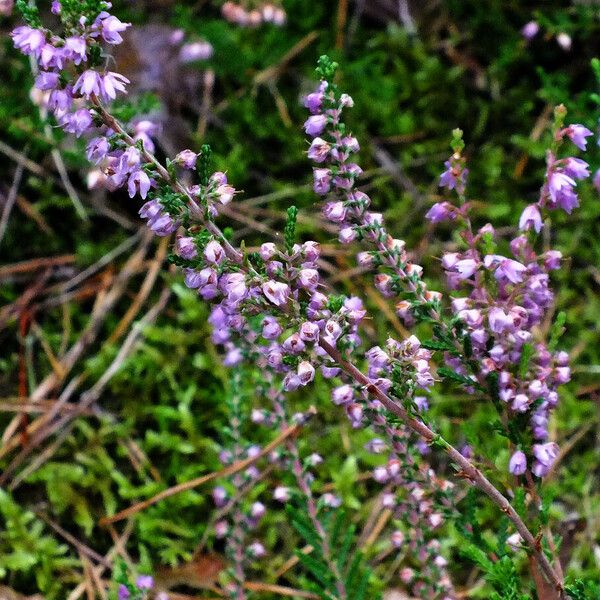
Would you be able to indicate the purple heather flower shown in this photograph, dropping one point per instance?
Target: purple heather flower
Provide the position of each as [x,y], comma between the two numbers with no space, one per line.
[144,582]
[186,247]
[123,592]
[221,529]
[217,178]
[564,41]
[276,292]
[521,403]
[274,357]
[195,279]
[97,149]
[268,250]
[545,455]
[440,211]
[291,382]
[309,332]
[78,122]
[322,181]
[453,178]
[380,474]
[306,372]
[28,40]
[331,500]
[150,210]
[576,168]
[55,9]
[233,285]
[281,494]
[258,416]
[342,395]
[531,218]
[110,28]
[225,193]
[560,188]
[355,413]
[596,180]
[256,550]
[518,463]
[214,253]
[164,225]
[346,101]
[138,182]
[311,251]
[466,267]
[257,510]
[319,150]
[332,330]
[314,460]
[508,269]
[376,446]
[329,372]
[397,539]
[60,101]
[293,344]
[144,129]
[335,211]
[187,159]
[314,101]
[350,143]
[500,321]
[75,49]
[421,403]
[347,235]
[89,82]
[552,260]
[315,124]
[530,30]
[308,279]
[577,134]
[129,161]
[112,84]
[193,51]
[562,374]
[51,57]
[47,81]
[232,357]
[383,282]
[271,329]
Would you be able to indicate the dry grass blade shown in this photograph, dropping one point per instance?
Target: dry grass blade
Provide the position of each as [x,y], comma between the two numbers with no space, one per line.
[281,590]
[36,264]
[10,200]
[71,539]
[144,291]
[104,304]
[188,485]
[65,423]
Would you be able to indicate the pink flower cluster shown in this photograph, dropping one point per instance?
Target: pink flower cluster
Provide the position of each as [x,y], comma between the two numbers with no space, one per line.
[507,297]
[237,13]
[56,54]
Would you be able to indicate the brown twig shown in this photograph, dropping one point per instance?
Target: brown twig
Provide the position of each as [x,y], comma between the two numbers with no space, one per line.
[188,485]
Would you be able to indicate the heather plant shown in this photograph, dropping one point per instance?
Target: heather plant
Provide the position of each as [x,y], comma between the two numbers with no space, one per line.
[273,309]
